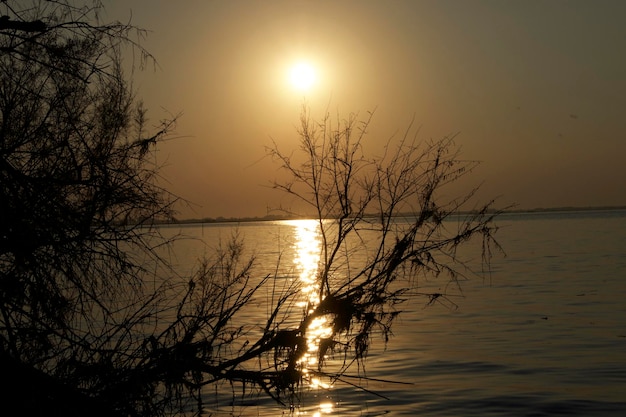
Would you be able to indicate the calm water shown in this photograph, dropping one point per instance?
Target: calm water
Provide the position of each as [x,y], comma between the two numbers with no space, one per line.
[544,335]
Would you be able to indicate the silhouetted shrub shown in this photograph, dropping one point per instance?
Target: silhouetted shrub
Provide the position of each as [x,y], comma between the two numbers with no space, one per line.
[79,239]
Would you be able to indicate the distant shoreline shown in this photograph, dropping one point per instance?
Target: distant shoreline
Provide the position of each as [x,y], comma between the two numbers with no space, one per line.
[285,217]
[565,208]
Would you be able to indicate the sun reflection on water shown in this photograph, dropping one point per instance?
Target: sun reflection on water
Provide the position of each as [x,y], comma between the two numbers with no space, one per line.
[307,259]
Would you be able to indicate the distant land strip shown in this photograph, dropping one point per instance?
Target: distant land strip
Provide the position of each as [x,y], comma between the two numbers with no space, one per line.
[276,217]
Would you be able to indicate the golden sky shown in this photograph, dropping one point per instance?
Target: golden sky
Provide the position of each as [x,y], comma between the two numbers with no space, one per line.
[535,89]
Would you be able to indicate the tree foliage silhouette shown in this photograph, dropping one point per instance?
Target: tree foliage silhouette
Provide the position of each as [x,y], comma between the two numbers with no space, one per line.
[77,188]
[386,211]
[88,326]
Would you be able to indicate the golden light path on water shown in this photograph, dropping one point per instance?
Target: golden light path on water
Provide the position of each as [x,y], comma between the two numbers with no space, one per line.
[308,247]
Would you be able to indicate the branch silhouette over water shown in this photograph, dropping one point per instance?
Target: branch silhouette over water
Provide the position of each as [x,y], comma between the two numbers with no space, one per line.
[91,308]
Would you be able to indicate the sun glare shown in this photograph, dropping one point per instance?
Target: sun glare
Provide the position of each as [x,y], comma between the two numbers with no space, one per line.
[302,76]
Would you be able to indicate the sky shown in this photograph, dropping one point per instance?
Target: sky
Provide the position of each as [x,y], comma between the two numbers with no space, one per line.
[535,90]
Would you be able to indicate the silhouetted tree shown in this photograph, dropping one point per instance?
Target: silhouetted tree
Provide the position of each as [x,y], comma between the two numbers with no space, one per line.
[77,190]
[88,326]
[387,212]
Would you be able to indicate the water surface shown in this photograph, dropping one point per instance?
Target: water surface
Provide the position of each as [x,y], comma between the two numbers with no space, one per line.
[543,334]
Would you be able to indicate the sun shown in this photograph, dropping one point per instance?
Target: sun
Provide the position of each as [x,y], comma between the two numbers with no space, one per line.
[302,76]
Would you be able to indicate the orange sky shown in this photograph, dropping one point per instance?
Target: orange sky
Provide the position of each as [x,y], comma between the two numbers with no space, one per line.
[536,89]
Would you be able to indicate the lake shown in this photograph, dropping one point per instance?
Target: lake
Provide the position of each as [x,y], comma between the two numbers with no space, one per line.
[544,334]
